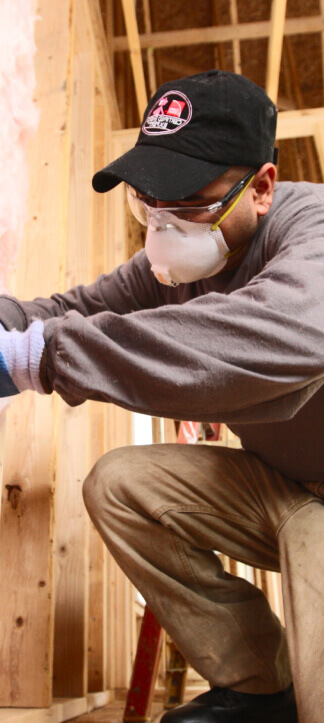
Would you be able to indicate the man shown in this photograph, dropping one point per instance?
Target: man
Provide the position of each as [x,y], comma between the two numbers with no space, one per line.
[220,318]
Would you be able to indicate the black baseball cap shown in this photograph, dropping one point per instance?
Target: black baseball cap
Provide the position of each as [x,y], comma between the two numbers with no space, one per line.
[194,129]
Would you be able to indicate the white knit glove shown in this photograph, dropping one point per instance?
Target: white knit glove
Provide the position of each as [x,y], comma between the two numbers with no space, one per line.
[20,356]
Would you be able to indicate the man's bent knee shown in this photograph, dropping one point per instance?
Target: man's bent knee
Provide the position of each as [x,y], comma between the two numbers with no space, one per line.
[116,476]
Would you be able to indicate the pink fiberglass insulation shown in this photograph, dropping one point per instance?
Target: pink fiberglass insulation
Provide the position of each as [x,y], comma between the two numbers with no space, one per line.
[18,119]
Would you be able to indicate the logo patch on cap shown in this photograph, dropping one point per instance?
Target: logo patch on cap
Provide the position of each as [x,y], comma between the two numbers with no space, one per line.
[169,114]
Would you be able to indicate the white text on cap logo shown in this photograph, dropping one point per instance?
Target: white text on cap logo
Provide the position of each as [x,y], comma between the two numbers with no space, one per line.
[169,114]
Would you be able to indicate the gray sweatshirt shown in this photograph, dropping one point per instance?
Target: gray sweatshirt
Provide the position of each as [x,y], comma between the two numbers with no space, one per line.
[245,347]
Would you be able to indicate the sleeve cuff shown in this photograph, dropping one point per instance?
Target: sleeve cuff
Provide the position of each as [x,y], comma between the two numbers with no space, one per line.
[11,314]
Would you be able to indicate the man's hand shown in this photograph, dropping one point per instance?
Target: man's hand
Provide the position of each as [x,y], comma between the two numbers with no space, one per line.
[20,355]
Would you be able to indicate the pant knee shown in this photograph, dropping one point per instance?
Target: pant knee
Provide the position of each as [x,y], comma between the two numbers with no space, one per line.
[118,477]
[104,476]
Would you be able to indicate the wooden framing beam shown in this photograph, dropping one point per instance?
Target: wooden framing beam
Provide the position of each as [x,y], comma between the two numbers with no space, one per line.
[222,33]
[322,42]
[133,43]
[72,521]
[278,13]
[150,51]
[98,607]
[107,8]
[291,124]
[26,534]
[236,42]
[62,709]
[319,143]
[102,58]
[121,613]
[298,123]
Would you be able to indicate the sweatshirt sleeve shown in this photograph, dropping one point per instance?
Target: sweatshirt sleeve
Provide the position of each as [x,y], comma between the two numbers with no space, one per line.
[256,354]
[120,292]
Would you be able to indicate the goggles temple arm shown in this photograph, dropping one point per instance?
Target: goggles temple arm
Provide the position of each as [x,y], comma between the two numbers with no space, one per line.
[238,186]
[231,208]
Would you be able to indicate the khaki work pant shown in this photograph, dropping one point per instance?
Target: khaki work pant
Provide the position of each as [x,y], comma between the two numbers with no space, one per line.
[163,509]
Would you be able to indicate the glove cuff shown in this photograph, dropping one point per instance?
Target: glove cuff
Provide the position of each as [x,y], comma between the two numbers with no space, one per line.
[23,359]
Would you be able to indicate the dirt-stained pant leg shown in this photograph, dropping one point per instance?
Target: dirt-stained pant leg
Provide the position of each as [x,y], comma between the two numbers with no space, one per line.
[162,510]
[302,567]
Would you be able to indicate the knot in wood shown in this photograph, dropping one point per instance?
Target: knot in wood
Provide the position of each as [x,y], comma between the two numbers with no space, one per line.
[14,493]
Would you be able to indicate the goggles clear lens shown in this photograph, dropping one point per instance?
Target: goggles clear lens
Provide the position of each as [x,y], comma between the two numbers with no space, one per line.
[145,207]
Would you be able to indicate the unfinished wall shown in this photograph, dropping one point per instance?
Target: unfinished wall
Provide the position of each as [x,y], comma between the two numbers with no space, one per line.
[67,613]
[66,610]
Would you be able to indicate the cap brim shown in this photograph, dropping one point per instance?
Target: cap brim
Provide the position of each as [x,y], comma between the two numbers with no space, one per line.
[158,172]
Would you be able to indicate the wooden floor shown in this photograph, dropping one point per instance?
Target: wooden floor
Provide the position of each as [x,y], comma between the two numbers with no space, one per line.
[113,712]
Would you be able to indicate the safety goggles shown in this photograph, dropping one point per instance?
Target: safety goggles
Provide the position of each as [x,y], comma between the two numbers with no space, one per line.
[145,207]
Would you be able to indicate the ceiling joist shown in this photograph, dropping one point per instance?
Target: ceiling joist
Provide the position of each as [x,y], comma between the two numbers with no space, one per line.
[222,33]
[299,123]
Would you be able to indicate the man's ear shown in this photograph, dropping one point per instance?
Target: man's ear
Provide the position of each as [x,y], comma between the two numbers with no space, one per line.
[263,188]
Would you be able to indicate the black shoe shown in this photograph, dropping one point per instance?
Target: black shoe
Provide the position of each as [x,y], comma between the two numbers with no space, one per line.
[223,705]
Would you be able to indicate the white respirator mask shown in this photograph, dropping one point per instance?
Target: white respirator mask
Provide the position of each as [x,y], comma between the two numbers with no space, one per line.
[181,251]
